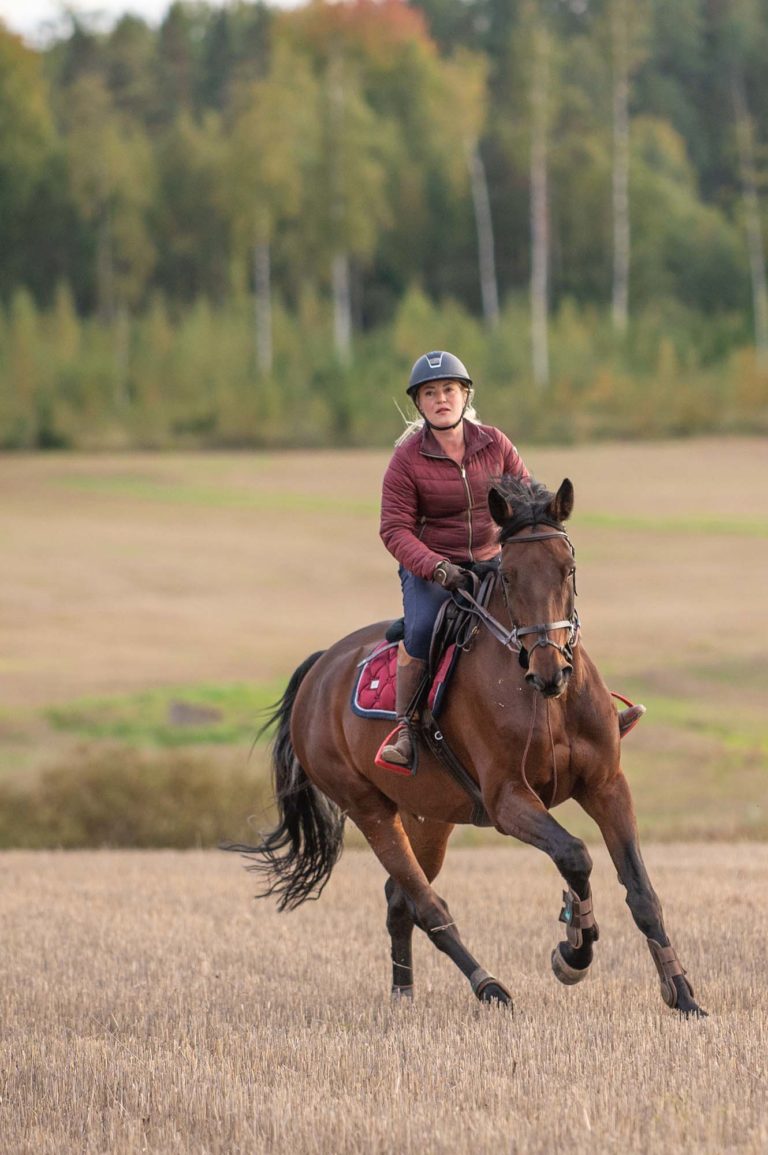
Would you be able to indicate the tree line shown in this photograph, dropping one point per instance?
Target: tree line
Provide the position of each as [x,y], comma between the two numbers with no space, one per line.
[242,226]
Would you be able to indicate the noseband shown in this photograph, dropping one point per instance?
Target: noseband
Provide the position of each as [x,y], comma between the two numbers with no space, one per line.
[511,638]
[543,629]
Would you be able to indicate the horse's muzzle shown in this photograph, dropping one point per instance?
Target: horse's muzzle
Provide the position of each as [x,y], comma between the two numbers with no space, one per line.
[552,687]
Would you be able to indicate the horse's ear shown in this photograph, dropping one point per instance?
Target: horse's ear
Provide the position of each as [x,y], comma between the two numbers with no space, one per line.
[499,506]
[561,506]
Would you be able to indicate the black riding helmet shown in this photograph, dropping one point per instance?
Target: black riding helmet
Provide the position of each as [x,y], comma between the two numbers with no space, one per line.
[436,366]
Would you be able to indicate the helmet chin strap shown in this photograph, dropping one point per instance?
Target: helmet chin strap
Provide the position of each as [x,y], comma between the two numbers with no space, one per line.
[442,428]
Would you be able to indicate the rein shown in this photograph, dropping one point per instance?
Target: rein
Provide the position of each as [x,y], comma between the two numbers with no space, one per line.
[510,638]
[523,774]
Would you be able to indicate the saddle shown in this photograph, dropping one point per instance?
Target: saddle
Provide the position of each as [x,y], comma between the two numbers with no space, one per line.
[373,694]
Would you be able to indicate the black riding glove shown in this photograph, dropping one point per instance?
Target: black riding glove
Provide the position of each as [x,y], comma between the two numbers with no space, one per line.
[450,576]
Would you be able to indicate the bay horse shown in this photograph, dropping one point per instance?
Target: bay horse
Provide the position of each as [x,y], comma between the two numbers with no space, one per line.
[527,713]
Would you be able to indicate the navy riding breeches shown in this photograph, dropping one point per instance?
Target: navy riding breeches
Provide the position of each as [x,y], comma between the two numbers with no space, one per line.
[421,603]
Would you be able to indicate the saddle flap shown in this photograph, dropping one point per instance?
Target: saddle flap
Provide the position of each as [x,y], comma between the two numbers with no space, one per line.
[436,697]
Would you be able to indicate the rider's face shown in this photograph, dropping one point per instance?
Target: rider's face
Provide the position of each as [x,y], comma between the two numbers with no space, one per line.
[441,402]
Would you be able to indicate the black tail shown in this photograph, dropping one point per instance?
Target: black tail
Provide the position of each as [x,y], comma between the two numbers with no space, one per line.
[298,856]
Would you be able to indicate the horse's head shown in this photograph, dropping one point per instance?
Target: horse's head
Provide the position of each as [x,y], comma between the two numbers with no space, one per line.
[538,575]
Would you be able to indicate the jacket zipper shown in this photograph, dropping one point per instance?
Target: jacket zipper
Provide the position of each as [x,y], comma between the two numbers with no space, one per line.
[462,470]
[469,509]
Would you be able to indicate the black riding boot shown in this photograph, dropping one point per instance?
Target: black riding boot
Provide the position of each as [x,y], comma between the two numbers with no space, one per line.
[400,752]
[629,718]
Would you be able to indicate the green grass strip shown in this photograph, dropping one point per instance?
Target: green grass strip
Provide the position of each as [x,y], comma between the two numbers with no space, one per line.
[172,716]
[144,489]
[172,493]
[726,526]
[734,731]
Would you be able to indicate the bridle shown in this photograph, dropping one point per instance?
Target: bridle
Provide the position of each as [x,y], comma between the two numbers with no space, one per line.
[511,638]
[543,629]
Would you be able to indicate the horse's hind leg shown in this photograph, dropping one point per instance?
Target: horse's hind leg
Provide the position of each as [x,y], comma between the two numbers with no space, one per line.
[523,816]
[613,811]
[428,839]
[381,824]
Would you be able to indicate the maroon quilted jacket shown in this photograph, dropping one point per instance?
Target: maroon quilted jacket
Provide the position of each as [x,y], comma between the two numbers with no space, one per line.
[432,508]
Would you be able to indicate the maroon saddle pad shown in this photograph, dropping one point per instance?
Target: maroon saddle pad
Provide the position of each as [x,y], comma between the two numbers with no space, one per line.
[373,694]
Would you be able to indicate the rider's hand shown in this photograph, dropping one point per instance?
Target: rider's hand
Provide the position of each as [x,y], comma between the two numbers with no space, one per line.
[450,576]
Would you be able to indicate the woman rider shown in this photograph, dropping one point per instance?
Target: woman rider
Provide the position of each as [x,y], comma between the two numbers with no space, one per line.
[434,515]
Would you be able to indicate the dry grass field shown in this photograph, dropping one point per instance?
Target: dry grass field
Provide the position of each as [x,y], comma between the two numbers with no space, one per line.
[148,1005]
[133,582]
[129,571]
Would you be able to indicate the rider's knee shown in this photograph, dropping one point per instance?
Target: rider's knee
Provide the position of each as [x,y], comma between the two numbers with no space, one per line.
[417,643]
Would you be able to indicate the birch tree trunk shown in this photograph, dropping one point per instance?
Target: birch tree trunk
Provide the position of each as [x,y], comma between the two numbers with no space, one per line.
[105,267]
[342,307]
[621,218]
[539,208]
[755,241]
[484,224]
[340,285]
[121,328]
[262,283]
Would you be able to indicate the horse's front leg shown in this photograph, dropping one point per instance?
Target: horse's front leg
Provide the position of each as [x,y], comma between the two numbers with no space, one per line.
[520,813]
[612,809]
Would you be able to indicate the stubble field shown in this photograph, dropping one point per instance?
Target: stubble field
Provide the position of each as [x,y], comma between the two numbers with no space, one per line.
[148,1004]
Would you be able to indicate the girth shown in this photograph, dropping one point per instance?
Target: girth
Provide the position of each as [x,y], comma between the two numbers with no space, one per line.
[436,742]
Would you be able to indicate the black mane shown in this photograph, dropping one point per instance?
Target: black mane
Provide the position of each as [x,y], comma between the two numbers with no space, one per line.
[530,503]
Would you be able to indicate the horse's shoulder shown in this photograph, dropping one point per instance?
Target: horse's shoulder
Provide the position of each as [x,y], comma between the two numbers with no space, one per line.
[590,714]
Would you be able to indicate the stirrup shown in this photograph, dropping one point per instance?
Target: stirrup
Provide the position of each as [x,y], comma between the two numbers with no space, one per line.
[381,759]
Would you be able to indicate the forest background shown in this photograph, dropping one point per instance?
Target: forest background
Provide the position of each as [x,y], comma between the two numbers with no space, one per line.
[241,227]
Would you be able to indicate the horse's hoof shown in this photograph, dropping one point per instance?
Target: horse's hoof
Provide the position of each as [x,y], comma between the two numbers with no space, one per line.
[488,989]
[402,994]
[494,992]
[694,1012]
[683,1001]
[565,973]
[678,994]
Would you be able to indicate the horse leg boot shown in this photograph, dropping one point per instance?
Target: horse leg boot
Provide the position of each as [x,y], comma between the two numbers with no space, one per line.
[410,674]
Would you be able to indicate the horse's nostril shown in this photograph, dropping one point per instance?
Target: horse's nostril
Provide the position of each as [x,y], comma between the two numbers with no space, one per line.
[552,688]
